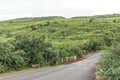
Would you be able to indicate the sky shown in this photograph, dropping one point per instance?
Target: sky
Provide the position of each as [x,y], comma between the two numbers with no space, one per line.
[10,9]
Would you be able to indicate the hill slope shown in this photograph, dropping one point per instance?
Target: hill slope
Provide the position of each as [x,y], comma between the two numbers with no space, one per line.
[53,40]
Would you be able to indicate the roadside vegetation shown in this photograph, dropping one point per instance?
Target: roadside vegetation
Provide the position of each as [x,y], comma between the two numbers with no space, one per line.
[48,41]
[109,68]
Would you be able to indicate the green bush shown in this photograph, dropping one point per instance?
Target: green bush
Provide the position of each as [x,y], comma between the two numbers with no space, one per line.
[11,59]
[37,50]
[92,45]
[75,50]
[34,47]
[26,51]
[64,53]
[2,68]
[55,57]
[110,64]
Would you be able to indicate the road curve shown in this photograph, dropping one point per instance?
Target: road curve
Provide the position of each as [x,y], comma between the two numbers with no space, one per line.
[81,70]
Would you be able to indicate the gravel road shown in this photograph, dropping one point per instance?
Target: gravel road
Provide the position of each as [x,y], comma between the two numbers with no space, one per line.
[81,70]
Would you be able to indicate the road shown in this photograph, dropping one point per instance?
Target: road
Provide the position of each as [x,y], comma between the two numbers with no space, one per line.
[81,70]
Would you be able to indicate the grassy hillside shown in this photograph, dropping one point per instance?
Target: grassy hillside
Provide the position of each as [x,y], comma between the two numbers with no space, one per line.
[48,40]
[59,30]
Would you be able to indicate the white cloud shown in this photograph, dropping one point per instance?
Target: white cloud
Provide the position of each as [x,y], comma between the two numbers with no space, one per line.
[67,8]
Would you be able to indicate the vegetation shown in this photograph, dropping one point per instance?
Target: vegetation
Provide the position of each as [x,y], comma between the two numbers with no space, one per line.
[47,41]
[110,63]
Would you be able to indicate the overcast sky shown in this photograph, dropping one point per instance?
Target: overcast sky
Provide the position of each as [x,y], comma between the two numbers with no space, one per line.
[10,9]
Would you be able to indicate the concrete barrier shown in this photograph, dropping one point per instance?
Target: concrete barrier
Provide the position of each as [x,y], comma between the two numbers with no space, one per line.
[66,59]
[74,58]
[35,66]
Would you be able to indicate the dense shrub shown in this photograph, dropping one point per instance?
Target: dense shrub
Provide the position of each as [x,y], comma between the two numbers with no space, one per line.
[34,47]
[37,50]
[52,56]
[92,45]
[64,53]
[75,50]
[2,68]
[91,19]
[11,59]
[26,51]
[110,64]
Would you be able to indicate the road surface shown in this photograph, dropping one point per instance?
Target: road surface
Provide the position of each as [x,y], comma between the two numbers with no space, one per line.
[81,70]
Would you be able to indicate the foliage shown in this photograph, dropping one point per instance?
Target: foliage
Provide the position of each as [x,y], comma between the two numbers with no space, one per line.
[110,64]
[10,59]
[75,50]
[23,44]
[92,45]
